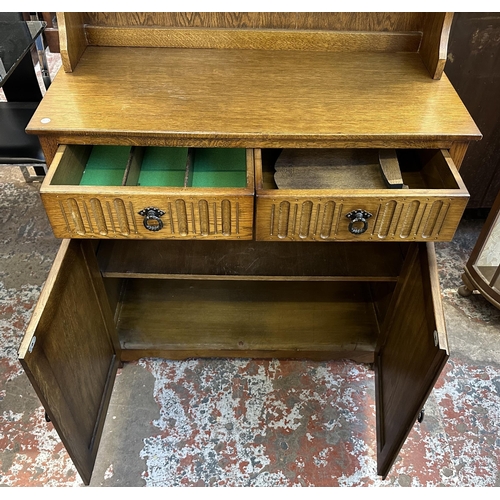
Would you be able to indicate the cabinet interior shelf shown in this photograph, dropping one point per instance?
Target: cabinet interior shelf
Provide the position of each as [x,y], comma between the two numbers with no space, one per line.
[232,298]
[218,317]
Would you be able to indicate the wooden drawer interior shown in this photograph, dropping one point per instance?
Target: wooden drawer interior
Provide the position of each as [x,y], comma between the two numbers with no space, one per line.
[354,169]
[247,298]
[153,167]
[310,194]
[150,192]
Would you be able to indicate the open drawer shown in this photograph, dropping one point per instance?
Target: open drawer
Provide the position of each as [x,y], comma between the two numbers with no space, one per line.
[335,194]
[150,192]
[233,299]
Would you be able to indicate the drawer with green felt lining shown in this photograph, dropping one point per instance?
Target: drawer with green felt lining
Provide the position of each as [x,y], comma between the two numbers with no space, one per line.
[110,191]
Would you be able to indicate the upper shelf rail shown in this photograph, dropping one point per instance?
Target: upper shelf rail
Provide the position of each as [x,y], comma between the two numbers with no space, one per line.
[426,33]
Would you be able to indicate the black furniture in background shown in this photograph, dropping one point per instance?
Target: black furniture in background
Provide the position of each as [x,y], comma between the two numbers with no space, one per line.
[22,92]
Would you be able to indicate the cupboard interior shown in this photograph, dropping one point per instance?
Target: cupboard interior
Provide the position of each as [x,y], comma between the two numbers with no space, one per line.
[420,168]
[178,299]
[104,165]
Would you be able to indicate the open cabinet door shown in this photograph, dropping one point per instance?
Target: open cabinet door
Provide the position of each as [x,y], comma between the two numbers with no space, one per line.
[412,351]
[70,352]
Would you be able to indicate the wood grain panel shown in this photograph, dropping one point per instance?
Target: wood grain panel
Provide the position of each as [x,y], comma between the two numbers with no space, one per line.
[350,99]
[254,40]
[69,166]
[412,351]
[362,21]
[250,260]
[73,41]
[393,218]
[434,46]
[357,355]
[356,21]
[457,153]
[140,139]
[70,352]
[49,146]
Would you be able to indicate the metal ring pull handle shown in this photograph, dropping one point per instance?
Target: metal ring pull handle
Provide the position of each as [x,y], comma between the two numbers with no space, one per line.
[152,218]
[357,217]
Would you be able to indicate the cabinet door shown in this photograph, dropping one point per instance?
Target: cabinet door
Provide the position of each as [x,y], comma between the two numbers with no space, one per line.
[412,351]
[70,352]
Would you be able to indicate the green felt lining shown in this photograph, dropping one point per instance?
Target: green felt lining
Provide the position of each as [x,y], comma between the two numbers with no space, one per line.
[219,159]
[163,166]
[219,167]
[166,178]
[105,166]
[219,179]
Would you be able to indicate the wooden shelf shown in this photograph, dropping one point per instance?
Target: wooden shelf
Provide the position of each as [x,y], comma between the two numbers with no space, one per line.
[252,98]
[211,318]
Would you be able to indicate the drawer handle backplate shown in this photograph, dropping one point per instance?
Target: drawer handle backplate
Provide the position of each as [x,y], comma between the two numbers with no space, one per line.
[356,217]
[152,218]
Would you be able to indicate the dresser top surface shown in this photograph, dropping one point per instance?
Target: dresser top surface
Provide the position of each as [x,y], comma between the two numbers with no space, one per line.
[253,97]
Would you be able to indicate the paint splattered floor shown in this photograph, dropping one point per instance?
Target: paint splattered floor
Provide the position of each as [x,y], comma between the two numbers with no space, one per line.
[243,422]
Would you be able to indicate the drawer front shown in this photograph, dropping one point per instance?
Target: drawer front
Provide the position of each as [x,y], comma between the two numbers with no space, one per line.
[127,216]
[326,219]
[144,212]
[413,214]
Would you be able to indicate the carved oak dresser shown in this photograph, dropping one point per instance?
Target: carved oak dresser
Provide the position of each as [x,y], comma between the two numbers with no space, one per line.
[235,185]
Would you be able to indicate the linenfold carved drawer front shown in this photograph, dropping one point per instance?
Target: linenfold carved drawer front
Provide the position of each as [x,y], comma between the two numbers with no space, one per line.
[150,192]
[357,195]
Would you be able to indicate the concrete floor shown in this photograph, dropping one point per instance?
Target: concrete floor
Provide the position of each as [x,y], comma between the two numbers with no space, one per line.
[247,422]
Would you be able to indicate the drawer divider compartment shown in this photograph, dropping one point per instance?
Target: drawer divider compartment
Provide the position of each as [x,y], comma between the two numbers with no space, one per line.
[150,192]
[343,195]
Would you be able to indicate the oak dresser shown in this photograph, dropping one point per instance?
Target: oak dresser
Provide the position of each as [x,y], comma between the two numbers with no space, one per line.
[246,185]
